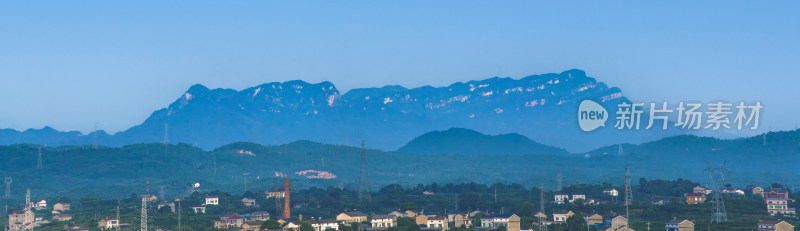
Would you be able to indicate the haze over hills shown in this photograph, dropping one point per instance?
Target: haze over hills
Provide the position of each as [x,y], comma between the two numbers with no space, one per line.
[468,142]
[542,107]
[119,171]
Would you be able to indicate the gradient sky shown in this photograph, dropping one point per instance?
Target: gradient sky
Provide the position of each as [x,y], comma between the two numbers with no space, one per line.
[76,64]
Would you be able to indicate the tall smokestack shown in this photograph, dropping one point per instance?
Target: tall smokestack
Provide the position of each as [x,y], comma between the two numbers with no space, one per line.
[286,209]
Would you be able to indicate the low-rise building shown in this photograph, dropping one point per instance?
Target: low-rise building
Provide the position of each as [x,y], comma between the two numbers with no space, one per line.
[322,225]
[774,225]
[778,201]
[701,189]
[62,217]
[259,216]
[611,192]
[679,225]
[577,196]
[560,198]
[199,209]
[61,206]
[249,202]
[695,198]
[383,221]
[350,217]
[211,200]
[561,216]
[593,219]
[437,222]
[108,223]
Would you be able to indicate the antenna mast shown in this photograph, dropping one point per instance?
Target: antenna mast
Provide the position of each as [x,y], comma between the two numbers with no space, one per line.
[363,177]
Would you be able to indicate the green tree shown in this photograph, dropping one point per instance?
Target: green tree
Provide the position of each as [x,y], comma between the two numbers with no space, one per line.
[501,228]
[576,223]
[271,224]
[407,206]
[306,226]
[407,224]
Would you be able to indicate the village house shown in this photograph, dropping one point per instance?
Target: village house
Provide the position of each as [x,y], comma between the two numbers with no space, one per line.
[251,226]
[593,219]
[78,228]
[695,198]
[679,225]
[383,221]
[322,225]
[259,216]
[249,202]
[577,196]
[397,213]
[234,221]
[61,206]
[62,217]
[561,198]
[17,221]
[211,200]
[108,223]
[199,209]
[411,213]
[171,205]
[350,217]
[511,222]
[561,216]
[39,205]
[421,219]
[276,192]
[461,219]
[617,223]
[778,201]
[774,225]
[701,189]
[437,222]
[753,190]
[611,192]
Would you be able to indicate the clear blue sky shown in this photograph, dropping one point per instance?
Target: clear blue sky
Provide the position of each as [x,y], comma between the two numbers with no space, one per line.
[74,64]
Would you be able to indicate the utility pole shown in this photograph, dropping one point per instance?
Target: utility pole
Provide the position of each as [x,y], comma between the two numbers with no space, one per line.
[648,226]
[495,195]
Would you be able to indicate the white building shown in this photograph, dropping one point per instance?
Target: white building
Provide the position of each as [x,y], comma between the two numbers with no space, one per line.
[383,221]
[212,200]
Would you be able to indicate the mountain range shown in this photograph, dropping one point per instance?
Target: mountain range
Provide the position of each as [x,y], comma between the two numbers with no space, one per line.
[542,107]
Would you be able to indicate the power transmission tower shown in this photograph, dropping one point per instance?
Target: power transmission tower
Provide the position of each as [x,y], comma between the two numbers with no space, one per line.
[147,187]
[542,226]
[28,216]
[39,161]
[455,201]
[619,151]
[718,212]
[144,213]
[161,193]
[628,196]
[363,178]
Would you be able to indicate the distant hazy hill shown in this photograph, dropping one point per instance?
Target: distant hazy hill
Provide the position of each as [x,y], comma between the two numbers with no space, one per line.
[465,141]
[82,170]
[542,107]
